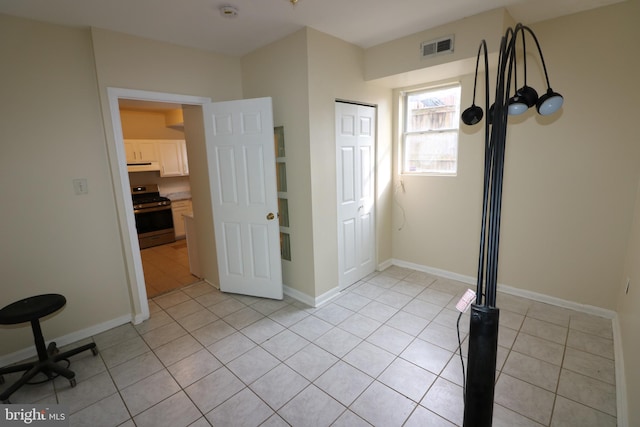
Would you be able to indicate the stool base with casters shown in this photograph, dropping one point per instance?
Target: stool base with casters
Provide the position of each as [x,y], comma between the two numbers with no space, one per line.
[31,310]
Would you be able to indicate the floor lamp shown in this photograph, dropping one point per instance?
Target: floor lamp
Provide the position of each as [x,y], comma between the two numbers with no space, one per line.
[483,331]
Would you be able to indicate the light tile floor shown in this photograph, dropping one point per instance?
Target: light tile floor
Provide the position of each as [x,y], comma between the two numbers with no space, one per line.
[383,353]
[166,267]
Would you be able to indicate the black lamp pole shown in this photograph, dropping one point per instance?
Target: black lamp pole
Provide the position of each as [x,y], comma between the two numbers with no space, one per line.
[483,331]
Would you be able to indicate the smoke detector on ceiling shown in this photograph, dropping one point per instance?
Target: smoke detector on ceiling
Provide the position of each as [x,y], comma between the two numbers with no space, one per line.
[228,11]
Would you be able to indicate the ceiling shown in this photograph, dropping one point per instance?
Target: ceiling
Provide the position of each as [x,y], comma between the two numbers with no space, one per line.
[199,23]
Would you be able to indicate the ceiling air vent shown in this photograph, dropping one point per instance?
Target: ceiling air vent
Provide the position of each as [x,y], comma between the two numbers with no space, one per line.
[437,47]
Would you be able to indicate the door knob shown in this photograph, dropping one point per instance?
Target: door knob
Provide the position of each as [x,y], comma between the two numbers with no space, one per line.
[270,216]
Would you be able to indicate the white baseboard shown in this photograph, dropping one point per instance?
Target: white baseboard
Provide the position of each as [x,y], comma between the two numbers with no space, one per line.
[309,300]
[385,264]
[583,308]
[535,296]
[327,296]
[299,296]
[28,352]
[212,284]
[139,318]
[435,271]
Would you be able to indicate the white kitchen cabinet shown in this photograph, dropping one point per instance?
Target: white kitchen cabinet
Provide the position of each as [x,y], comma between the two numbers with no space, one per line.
[173,158]
[140,150]
[178,209]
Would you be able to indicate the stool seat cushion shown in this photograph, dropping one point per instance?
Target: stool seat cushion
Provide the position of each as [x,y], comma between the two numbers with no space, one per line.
[31,308]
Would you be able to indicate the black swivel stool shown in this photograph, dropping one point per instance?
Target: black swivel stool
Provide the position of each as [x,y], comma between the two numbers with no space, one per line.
[31,310]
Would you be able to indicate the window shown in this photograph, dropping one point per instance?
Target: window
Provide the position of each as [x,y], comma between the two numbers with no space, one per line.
[430,137]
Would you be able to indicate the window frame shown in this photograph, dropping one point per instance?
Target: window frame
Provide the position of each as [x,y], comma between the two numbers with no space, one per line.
[405,117]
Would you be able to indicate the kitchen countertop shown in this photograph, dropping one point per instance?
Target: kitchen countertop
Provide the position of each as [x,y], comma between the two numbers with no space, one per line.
[182,195]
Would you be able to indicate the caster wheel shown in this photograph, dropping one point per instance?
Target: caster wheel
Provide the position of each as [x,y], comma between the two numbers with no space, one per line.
[52,349]
[72,382]
[94,351]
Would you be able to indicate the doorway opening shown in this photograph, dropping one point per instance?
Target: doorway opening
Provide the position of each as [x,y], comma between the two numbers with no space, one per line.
[122,186]
[153,134]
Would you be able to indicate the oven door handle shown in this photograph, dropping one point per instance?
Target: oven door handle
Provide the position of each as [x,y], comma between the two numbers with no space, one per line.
[145,210]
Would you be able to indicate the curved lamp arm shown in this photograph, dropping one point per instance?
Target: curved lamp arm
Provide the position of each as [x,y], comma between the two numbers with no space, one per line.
[551,101]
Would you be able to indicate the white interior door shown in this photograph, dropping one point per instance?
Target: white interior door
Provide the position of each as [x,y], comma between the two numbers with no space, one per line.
[240,152]
[355,139]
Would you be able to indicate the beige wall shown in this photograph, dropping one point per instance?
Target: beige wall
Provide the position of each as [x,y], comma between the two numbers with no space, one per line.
[628,303]
[201,192]
[629,314]
[147,125]
[569,179]
[55,117]
[400,63]
[132,62]
[336,70]
[280,70]
[573,179]
[305,73]
[124,61]
[52,132]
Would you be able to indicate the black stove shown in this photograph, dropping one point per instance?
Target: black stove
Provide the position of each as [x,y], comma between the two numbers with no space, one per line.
[154,219]
[148,196]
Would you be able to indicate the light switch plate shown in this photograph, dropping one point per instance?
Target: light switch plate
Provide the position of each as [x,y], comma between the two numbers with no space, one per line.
[80,186]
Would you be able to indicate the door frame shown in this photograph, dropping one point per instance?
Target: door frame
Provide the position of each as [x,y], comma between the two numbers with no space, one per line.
[122,190]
